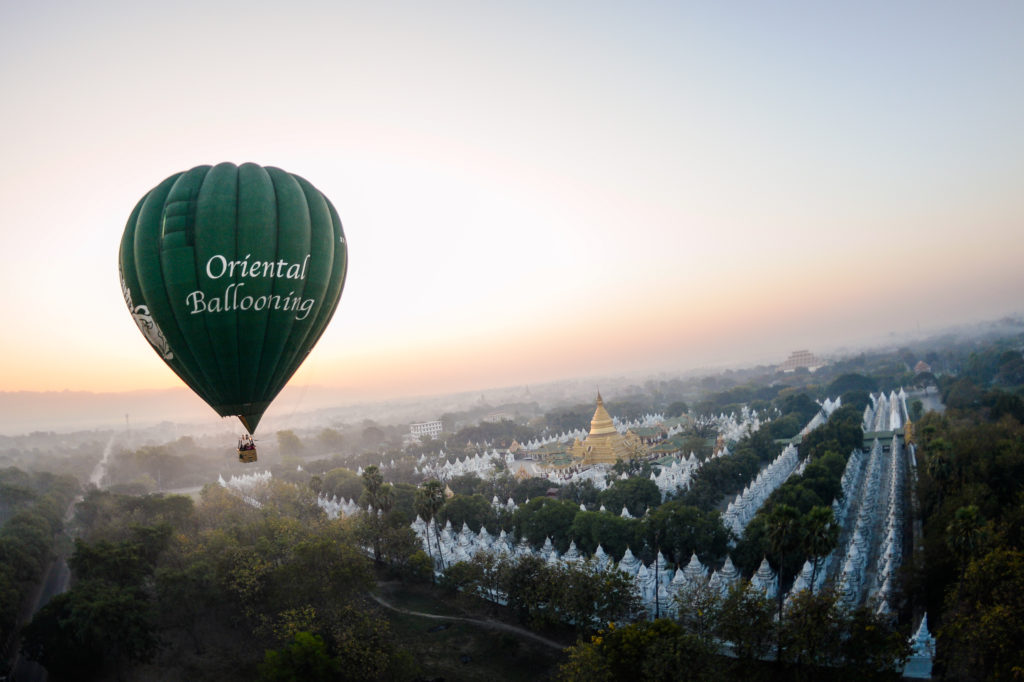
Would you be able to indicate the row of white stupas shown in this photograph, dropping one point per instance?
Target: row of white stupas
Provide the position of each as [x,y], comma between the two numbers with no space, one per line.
[743,508]
[335,507]
[733,428]
[822,415]
[662,588]
[659,578]
[245,485]
[481,465]
[564,437]
[870,552]
[245,482]
[886,413]
[676,476]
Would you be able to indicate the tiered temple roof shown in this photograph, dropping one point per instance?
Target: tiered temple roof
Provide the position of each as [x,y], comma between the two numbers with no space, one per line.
[604,444]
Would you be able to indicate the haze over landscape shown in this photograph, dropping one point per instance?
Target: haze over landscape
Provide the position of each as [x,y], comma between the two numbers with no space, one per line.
[529,192]
[678,341]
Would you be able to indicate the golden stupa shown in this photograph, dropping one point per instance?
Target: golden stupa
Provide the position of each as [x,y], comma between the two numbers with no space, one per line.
[604,444]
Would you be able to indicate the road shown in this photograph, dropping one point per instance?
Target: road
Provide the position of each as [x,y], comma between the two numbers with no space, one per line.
[56,582]
[492,624]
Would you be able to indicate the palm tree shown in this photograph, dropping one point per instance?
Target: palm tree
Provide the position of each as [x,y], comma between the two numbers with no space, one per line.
[380,496]
[429,500]
[965,535]
[820,536]
[785,534]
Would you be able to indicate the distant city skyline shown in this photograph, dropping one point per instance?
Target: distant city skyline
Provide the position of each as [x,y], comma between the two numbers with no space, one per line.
[529,192]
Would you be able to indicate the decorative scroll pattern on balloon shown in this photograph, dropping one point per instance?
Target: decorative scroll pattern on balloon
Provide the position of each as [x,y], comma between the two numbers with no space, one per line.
[146,324]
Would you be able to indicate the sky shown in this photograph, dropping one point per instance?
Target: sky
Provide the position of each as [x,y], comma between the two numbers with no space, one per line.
[532,190]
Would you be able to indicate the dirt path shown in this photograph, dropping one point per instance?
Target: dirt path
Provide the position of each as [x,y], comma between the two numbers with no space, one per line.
[493,624]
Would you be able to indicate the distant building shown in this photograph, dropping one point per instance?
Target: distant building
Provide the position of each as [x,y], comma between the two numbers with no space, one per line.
[497,416]
[431,429]
[801,359]
[921,367]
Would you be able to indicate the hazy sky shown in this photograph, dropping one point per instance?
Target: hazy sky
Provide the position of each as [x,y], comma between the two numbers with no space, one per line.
[529,190]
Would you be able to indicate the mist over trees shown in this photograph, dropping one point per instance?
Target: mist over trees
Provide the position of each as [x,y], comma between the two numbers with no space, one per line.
[214,586]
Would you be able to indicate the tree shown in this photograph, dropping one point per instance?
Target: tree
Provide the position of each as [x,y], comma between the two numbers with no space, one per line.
[304,659]
[585,493]
[95,625]
[984,623]
[330,441]
[636,494]
[657,650]
[965,535]
[872,647]
[611,531]
[429,500]
[746,619]
[698,607]
[785,538]
[530,593]
[852,382]
[185,594]
[820,536]
[473,510]
[376,493]
[812,632]
[544,517]
[342,483]
[289,444]
[589,597]
[378,497]
[679,530]
[530,488]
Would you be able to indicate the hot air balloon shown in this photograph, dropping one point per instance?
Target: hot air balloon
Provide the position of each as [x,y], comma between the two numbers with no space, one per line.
[232,274]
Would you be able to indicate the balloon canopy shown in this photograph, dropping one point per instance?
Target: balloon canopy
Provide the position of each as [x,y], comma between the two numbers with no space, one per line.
[232,274]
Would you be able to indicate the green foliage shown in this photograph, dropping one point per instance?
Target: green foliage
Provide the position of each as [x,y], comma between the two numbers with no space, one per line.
[473,510]
[565,420]
[720,477]
[585,493]
[785,427]
[984,621]
[542,595]
[657,650]
[545,517]
[852,381]
[305,659]
[343,483]
[746,618]
[611,531]
[636,494]
[530,488]
[799,405]
[257,577]
[679,530]
[818,633]
[32,506]
[676,409]
[98,624]
[289,444]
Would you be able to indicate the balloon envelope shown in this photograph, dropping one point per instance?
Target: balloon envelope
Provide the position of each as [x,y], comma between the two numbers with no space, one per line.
[232,274]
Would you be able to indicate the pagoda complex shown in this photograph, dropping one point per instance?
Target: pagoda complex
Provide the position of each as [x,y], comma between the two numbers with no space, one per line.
[604,444]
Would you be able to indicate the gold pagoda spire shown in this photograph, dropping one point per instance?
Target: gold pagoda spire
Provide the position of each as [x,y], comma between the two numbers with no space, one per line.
[604,444]
[601,424]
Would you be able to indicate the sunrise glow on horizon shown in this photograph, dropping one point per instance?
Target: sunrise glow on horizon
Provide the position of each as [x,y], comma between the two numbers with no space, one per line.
[528,192]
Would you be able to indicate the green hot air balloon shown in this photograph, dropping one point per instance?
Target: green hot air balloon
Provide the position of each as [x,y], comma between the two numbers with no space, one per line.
[232,274]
